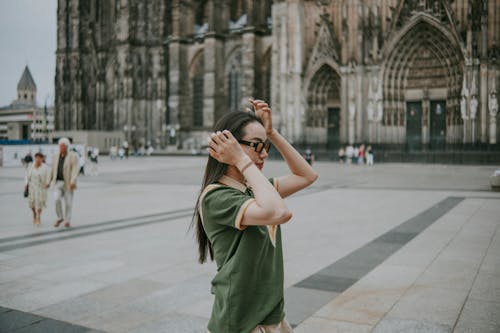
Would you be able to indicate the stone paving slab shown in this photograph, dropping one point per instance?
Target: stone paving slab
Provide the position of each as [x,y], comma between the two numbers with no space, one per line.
[142,276]
[429,296]
[18,321]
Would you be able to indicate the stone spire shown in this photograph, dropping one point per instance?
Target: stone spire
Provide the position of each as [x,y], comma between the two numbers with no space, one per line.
[26,88]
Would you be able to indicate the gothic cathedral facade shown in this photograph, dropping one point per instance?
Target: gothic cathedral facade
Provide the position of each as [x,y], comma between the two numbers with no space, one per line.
[414,73]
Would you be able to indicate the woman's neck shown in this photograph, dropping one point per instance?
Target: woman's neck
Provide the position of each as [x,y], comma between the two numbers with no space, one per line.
[234,173]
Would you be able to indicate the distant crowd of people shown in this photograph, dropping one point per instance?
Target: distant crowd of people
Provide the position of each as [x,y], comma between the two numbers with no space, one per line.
[122,152]
[356,155]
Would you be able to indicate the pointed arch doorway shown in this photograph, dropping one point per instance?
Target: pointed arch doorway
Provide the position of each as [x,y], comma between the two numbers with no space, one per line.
[422,80]
[323,115]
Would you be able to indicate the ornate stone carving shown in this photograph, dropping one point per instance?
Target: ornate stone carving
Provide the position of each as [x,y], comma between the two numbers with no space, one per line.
[493,104]
[473,107]
[463,108]
[326,47]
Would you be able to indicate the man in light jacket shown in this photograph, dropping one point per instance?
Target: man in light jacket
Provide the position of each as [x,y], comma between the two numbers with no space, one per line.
[65,169]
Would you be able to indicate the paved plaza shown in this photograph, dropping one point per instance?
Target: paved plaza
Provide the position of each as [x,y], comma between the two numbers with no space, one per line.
[389,248]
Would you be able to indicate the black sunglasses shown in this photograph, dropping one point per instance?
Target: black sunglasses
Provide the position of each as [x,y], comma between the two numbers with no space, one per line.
[257,146]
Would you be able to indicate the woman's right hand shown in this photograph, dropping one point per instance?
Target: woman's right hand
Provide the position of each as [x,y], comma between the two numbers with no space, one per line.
[225,148]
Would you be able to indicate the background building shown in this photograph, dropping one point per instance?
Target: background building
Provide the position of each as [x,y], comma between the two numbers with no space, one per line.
[23,119]
[417,74]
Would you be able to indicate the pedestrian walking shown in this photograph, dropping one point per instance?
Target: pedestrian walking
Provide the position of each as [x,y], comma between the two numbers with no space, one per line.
[355,155]
[94,160]
[37,182]
[126,148]
[27,160]
[309,156]
[349,153]
[113,152]
[237,220]
[342,155]
[65,170]
[121,153]
[361,154]
[369,155]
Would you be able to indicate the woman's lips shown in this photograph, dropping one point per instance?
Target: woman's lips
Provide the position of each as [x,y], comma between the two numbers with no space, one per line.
[259,165]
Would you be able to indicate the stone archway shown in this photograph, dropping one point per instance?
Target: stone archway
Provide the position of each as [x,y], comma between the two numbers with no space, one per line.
[322,121]
[424,68]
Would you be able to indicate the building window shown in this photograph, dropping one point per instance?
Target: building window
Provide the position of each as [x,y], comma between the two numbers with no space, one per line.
[234,79]
[198,100]
[197,73]
[234,90]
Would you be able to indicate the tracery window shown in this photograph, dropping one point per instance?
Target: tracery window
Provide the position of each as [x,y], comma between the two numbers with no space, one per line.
[197,81]
[198,101]
[234,78]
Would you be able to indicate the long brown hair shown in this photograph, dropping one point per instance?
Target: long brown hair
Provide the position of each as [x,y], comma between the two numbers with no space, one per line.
[234,122]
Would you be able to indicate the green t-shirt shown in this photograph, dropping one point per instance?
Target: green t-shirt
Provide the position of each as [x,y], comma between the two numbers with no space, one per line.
[248,286]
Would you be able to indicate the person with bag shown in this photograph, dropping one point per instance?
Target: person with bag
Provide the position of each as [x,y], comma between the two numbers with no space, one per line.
[37,180]
[237,221]
[65,169]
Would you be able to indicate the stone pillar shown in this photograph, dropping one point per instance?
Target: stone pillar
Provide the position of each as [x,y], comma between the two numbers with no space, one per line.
[344,112]
[493,110]
[248,65]
[286,76]
[473,107]
[426,118]
[483,101]
[174,95]
[379,107]
[278,68]
[351,106]
[213,80]
[297,96]
[370,108]
[359,137]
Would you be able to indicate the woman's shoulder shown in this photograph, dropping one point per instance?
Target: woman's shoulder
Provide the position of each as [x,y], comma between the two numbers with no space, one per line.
[219,192]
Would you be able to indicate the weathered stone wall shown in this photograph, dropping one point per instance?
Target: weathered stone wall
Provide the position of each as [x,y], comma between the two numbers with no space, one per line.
[335,72]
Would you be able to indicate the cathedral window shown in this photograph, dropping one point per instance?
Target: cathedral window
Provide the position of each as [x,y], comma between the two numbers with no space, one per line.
[197,82]
[198,101]
[234,90]
[237,15]
[201,19]
[234,80]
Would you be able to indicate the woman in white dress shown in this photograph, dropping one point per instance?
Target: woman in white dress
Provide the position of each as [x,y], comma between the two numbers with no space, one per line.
[37,181]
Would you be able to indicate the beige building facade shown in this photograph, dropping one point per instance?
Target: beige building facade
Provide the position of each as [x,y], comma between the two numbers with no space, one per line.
[416,74]
[23,120]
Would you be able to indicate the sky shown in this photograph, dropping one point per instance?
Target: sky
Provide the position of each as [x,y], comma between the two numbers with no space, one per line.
[28,36]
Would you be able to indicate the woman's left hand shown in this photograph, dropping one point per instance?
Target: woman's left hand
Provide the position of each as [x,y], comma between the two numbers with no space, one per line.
[263,112]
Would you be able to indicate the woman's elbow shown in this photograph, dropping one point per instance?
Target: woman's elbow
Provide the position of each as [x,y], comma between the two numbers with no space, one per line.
[312,178]
[283,216]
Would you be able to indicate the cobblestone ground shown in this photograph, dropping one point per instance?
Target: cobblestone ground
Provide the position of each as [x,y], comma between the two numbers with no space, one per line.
[389,248]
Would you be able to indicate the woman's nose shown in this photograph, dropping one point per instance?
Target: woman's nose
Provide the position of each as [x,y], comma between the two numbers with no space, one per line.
[263,154]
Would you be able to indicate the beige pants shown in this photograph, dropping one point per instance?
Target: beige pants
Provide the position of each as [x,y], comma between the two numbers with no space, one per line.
[281,327]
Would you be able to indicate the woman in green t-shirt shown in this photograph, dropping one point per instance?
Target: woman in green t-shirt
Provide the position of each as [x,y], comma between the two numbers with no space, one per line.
[237,220]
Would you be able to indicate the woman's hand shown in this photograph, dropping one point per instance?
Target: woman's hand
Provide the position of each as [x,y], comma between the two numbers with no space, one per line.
[225,148]
[263,112]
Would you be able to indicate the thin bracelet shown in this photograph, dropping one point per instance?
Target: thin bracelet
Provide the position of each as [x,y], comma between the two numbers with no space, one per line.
[246,166]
